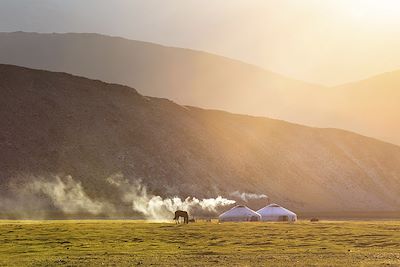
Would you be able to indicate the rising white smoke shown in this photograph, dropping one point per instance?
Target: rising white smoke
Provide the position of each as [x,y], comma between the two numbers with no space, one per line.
[248,196]
[68,196]
[158,208]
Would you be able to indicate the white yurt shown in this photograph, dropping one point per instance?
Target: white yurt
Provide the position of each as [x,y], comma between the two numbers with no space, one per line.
[276,213]
[240,213]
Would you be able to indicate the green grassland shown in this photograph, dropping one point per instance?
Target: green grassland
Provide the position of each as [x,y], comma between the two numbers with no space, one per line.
[131,243]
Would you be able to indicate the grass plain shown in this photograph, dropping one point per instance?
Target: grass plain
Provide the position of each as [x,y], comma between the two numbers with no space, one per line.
[132,243]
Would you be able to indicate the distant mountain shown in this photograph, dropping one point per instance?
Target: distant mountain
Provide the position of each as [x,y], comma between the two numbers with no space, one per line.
[59,124]
[371,106]
[196,78]
[185,76]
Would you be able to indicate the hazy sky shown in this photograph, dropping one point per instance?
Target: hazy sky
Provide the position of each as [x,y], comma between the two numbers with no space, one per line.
[324,41]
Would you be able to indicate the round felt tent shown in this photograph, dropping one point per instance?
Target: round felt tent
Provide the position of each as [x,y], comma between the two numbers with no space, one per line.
[240,213]
[276,213]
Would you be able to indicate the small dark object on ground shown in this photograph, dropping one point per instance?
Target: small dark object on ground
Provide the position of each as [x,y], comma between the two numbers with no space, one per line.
[314,220]
[192,220]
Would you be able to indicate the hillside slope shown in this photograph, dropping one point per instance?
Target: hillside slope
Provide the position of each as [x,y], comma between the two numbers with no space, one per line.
[372,106]
[56,123]
[369,107]
[185,76]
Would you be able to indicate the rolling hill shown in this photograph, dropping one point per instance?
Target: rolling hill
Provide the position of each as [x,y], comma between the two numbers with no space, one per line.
[369,107]
[60,124]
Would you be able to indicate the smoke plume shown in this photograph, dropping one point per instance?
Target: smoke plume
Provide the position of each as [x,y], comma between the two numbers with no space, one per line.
[247,196]
[157,208]
[68,196]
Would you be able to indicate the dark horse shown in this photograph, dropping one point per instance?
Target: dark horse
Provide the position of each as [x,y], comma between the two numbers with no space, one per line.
[181,213]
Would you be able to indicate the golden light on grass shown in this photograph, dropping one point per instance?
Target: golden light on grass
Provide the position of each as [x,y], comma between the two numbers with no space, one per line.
[128,243]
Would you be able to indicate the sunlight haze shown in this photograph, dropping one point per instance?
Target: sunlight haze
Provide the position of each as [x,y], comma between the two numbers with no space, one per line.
[199,132]
[329,42]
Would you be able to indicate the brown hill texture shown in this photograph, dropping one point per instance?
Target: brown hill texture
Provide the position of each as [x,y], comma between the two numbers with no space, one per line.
[59,124]
[188,77]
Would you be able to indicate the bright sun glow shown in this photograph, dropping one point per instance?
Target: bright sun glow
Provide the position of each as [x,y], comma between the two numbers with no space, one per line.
[385,11]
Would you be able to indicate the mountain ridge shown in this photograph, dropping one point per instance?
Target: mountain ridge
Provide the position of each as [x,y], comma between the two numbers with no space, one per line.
[60,124]
[210,81]
[254,66]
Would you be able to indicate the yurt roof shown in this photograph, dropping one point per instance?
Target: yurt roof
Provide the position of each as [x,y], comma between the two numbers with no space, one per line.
[239,210]
[274,209]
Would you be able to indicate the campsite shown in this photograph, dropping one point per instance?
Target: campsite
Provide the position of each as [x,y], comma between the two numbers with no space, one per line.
[135,243]
[272,213]
[199,133]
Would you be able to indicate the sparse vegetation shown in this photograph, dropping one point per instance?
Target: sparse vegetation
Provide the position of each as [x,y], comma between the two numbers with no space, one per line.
[59,124]
[122,243]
